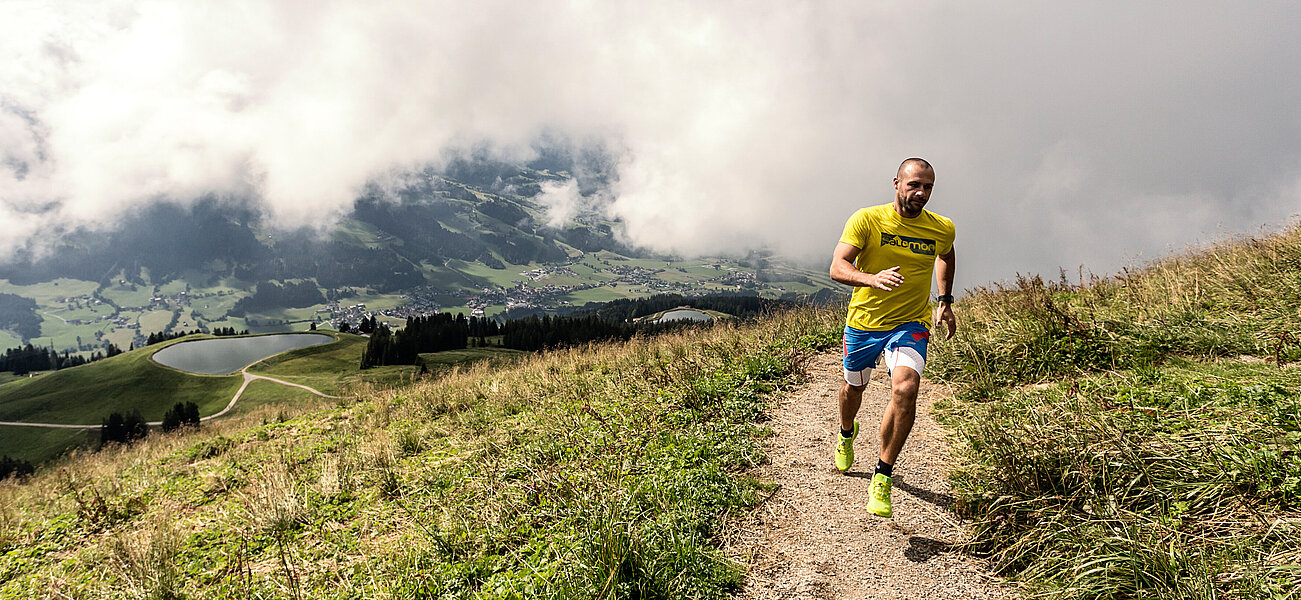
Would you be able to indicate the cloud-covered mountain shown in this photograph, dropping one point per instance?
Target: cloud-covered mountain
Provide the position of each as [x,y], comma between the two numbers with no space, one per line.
[398,232]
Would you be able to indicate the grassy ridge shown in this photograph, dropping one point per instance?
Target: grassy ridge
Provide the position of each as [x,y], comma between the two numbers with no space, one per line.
[1137,436]
[589,473]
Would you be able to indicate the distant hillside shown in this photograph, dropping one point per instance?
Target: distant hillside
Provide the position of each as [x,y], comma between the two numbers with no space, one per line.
[18,314]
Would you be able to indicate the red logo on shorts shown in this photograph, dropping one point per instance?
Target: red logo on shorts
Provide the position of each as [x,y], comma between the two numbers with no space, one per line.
[925,335]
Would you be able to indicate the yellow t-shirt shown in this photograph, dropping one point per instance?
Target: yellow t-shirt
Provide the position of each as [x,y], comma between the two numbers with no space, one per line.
[886,239]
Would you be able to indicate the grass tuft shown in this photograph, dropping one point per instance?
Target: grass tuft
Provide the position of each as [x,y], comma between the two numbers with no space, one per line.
[145,562]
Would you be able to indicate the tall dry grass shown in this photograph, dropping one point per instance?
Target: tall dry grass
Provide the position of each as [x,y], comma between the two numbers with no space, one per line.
[1234,298]
[1137,436]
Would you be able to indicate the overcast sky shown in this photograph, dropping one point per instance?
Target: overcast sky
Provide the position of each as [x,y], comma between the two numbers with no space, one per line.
[1064,134]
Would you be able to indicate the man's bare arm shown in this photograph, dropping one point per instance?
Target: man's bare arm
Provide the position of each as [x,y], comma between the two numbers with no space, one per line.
[844,271]
[945,267]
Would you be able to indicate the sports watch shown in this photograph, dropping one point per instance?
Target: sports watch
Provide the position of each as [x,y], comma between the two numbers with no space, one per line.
[945,298]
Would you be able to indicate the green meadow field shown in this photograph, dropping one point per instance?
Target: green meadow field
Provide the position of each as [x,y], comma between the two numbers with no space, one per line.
[128,381]
[129,295]
[39,444]
[334,368]
[87,394]
[443,362]
[49,292]
[9,340]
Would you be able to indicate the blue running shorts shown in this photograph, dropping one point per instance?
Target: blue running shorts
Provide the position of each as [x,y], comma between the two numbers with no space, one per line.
[904,345]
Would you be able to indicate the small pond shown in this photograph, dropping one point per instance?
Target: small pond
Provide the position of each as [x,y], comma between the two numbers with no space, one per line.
[683,314]
[226,355]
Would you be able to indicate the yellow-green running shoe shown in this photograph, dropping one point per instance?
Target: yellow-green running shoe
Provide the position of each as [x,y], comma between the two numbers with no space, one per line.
[878,498]
[845,449]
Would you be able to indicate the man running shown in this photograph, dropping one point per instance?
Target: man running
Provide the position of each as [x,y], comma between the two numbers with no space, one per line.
[889,253]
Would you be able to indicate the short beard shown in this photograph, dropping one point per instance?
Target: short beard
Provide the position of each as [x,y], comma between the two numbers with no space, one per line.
[904,210]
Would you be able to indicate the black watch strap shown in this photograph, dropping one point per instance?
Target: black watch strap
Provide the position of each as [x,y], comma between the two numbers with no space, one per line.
[945,298]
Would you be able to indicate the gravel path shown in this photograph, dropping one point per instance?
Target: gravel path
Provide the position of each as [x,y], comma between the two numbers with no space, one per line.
[814,537]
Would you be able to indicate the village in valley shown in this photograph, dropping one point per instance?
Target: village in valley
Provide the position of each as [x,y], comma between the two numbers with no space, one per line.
[82,316]
[533,292]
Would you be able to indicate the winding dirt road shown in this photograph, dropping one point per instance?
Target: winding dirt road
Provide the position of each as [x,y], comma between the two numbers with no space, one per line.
[248,378]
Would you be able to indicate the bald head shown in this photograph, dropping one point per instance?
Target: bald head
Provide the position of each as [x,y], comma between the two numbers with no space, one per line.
[918,162]
[912,186]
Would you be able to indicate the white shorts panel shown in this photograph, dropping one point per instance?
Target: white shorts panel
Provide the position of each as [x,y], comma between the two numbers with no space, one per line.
[907,357]
[858,378]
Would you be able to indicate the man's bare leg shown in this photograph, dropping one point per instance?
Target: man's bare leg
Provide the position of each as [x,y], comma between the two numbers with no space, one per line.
[851,398]
[899,416]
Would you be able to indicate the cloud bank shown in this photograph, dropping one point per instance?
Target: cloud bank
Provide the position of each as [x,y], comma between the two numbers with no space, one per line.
[1093,135]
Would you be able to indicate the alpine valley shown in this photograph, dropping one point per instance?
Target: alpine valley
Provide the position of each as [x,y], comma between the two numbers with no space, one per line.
[471,237]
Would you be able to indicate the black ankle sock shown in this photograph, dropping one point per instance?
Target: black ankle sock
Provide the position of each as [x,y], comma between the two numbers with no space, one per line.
[884,468]
[846,434]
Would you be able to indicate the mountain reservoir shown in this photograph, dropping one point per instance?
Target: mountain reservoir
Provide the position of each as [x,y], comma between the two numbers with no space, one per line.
[684,314]
[226,355]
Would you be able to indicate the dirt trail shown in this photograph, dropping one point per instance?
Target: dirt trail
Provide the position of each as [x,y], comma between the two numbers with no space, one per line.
[815,539]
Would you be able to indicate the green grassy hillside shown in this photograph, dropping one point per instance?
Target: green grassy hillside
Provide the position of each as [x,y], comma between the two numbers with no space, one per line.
[1137,436]
[447,360]
[594,473]
[133,381]
[39,444]
[88,394]
[333,369]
